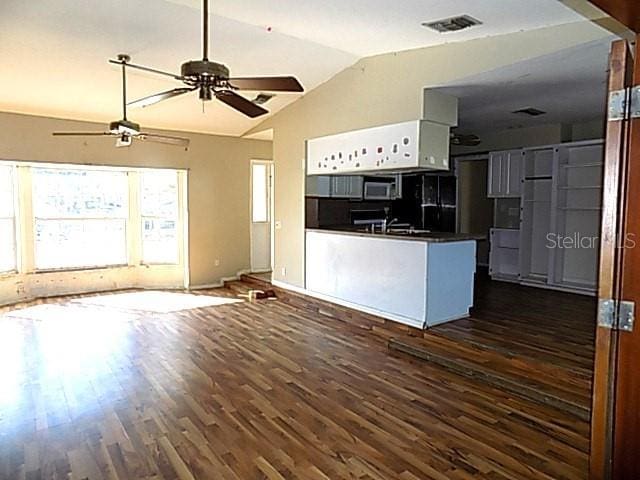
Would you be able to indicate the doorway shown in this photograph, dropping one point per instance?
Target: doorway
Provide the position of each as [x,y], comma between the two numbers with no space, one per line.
[475,209]
[261,186]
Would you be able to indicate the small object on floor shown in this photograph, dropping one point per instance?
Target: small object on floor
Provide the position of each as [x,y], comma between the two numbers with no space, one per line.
[254,295]
[268,294]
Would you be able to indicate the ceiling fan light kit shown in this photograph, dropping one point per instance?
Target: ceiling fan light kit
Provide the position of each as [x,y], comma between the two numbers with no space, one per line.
[125,130]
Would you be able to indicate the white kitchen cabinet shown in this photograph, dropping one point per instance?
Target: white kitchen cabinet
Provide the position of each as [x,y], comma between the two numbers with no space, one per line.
[504,255]
[414,145]
[505,174]
[536,211]
[334,186]
[560,207]
[576,216]
[347,186]
[318,186]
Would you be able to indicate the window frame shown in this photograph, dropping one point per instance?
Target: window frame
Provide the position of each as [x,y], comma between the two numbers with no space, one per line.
[13,172]
[35,218]
[267,198]
[177,219]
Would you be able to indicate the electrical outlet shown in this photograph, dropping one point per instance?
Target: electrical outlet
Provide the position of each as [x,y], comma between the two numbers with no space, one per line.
[217,262]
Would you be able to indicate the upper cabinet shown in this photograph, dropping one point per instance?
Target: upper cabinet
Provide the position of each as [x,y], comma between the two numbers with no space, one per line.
[414,145]
[318,186]
[347,186]
[505,174]
[334,186]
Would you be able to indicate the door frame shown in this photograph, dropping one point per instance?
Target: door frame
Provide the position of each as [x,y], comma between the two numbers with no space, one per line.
[270,192]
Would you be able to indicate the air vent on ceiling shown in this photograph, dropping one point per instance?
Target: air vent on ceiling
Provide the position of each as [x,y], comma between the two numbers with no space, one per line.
[534,112]
[453,24]
[262,98]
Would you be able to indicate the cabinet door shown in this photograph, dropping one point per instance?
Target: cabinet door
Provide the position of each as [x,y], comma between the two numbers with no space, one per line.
[495,174]
[513,181]
[505,174]
[318,186]
[356,187]
[340,186]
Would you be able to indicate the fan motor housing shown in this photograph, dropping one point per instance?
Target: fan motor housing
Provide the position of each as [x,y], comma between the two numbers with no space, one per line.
[200,68]
[124,126]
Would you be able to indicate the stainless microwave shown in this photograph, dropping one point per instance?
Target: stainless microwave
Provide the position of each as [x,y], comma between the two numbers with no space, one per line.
[378,190]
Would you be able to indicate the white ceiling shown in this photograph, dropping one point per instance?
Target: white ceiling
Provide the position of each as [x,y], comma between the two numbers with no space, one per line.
[55,51]
[570,85]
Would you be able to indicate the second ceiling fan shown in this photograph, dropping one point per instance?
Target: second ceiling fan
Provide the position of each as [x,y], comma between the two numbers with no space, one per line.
[212,80]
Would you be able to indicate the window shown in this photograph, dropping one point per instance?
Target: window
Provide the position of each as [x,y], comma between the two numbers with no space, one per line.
[80,218]
[7,220]
[159,212]
[259,194]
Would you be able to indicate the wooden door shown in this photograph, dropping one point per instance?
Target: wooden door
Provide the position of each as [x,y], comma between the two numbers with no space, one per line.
[615,432]
[626,441]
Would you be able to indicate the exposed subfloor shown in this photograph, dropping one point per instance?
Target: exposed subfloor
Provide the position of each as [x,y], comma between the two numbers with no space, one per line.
[136,386]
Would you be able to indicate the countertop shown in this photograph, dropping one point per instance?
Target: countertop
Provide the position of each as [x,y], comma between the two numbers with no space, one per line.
[430,237]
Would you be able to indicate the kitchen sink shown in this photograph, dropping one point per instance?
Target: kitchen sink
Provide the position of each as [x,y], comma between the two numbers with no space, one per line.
[406,231]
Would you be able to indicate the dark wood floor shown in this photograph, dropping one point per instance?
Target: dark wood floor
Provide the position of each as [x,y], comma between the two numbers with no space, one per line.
[93,388]
[532,342]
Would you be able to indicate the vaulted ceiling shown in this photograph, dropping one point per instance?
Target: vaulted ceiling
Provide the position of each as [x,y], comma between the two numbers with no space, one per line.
[55,51]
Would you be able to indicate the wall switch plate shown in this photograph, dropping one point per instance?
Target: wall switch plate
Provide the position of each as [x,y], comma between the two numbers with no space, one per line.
[284,271]
[217,262]
[278,224]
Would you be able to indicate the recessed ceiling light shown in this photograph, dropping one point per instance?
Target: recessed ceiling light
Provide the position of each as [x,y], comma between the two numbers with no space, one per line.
[453,24]
[534,112]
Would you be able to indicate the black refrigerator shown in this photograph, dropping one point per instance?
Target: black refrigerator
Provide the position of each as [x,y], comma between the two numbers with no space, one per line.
[439,197]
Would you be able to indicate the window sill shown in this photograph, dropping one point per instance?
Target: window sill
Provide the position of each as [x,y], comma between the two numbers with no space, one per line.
[159,265]
[79,269]
[8,274]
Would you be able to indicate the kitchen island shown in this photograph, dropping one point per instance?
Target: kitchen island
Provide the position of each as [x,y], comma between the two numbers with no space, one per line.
[420,280]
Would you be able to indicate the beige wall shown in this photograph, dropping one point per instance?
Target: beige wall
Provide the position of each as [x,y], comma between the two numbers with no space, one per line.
[218,181]
[381,90]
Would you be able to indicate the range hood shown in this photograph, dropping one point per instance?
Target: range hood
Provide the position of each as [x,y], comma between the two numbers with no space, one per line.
[397,148]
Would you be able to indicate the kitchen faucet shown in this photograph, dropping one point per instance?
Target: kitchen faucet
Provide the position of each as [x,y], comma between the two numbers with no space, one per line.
[386,225]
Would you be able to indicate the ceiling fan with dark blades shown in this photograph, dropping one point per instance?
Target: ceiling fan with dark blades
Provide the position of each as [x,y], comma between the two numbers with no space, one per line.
[211,79]
[465,140]
[125,130]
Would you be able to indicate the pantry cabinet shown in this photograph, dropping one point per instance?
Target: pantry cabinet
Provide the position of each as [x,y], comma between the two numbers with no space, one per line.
[556,244]
[505,174]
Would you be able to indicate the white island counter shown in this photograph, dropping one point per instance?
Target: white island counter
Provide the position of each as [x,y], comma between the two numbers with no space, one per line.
[416,280]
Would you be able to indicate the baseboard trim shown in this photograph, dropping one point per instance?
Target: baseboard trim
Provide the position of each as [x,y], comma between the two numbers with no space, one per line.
[221,282]
[354,306]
